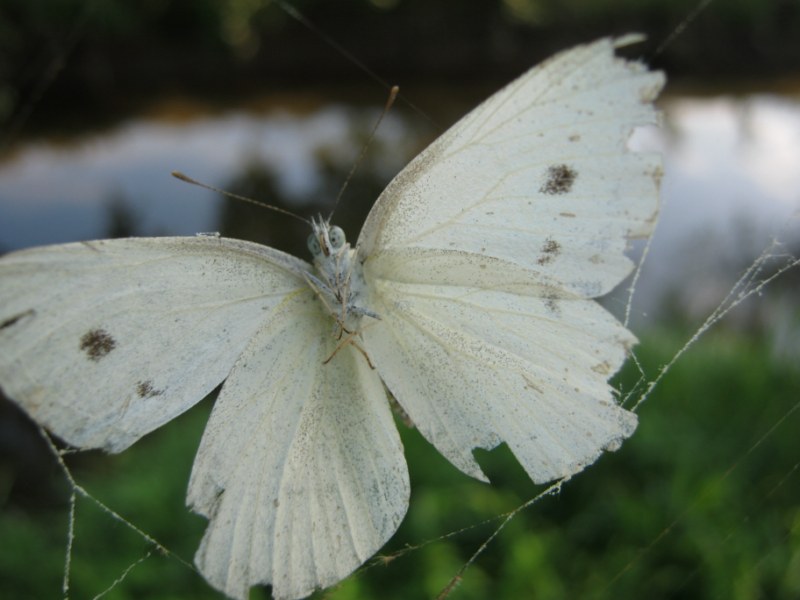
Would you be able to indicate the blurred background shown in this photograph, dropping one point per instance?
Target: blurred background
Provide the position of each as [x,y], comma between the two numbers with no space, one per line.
[100,100]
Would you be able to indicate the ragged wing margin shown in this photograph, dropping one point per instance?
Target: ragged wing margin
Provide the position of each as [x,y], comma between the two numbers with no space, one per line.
[475,367]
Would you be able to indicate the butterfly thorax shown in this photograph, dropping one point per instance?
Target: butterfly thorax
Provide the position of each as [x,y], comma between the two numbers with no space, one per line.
[338,280]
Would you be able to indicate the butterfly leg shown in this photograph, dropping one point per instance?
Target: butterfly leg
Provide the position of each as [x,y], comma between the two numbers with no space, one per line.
[349,340]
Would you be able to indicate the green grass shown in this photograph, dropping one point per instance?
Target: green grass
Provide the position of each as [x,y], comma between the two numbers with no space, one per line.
[703,502]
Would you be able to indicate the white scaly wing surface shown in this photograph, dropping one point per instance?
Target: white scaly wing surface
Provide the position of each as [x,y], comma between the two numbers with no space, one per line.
[476,367]
[102,342]
[482,257]
[537,175]
[300,469]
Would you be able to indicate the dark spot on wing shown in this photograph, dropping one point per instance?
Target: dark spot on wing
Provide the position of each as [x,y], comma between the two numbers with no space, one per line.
[574,137]
[551,297]
[550,249]
[145,389]
[97,343]
[559,180]
[603,368]
[530,385]
[16,318]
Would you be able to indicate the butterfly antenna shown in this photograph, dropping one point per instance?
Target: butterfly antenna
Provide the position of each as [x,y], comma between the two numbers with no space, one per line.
[389,102]
[300,18]
[187,179]
[305,22]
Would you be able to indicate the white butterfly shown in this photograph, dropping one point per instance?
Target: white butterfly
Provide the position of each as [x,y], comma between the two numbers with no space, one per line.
[468,295]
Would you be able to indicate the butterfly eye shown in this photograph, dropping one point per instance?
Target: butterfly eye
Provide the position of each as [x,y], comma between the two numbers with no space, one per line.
[313,245]
[336,237]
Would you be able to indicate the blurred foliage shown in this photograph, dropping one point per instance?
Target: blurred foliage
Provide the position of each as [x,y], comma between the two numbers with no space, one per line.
[63,57]
[701,503]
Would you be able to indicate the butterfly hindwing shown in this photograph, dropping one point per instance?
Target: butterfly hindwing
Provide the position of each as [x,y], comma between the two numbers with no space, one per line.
[476,367]
[301,469]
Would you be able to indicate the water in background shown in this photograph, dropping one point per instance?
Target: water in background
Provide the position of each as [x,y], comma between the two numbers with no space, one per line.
[731,182]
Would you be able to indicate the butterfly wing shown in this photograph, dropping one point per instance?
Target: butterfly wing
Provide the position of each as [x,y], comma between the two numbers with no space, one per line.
[476,366]
[102,342]
[482,257]
[537,175]
[300,470]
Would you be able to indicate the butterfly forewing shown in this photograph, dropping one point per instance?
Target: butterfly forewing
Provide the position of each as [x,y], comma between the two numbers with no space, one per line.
[104,341]
[538,175]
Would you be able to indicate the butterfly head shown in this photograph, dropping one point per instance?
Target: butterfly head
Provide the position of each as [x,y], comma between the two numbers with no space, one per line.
[326,240]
